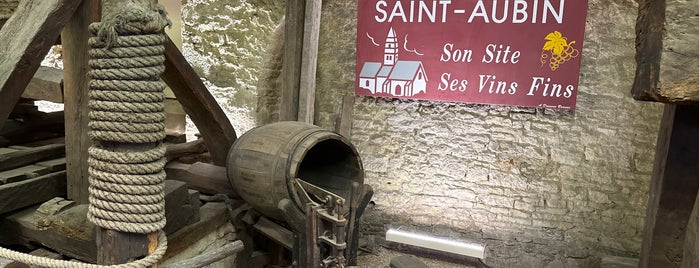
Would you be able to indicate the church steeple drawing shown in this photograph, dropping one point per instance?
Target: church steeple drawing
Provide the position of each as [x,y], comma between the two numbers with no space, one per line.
[390,52]
[398,78]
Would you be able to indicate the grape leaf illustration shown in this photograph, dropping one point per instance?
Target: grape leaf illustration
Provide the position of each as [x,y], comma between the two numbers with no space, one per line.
[555,42]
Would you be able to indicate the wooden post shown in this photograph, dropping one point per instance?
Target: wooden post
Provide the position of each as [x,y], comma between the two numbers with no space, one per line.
[309,61]
[291,68]
[673,187]
[666,61]
[75,89]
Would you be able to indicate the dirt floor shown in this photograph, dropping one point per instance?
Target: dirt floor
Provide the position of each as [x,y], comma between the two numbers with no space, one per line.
[381,258]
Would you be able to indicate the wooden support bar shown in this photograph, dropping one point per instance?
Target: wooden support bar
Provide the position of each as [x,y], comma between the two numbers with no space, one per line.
[210,257]
[76,68]
[47,83]
[673,187]
[291,66]
[667,69]
[32,191]
[203,177]
[309,61]
[24,157]
[199,104]
[275,232]
[27,37]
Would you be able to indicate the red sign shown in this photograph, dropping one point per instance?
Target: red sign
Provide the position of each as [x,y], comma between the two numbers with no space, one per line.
[510,52]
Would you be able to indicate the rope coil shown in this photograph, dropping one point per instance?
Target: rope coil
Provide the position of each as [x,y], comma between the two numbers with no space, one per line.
[126,102]
[126,98]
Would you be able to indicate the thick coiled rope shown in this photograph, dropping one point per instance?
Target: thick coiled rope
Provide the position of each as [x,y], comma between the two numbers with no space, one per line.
[7,7]
[126,102]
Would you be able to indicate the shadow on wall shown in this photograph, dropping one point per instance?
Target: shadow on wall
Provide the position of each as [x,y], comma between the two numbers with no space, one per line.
[270,81]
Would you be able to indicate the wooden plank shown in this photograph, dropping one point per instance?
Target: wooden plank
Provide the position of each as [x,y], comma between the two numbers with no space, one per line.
[28,35]
[309,61]
[54,165]
[210,257]
[22,173]
[673,187]
[343,126]
[182,149]
[291,64]
[667,57]
[275,232]
[213,215]
[32,191]
[203,177]
[24,157]
[199,104]
[47,83]
[76,68]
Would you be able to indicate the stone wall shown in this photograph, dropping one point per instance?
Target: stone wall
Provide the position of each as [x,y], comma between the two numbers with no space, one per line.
[540,188]
[226,43]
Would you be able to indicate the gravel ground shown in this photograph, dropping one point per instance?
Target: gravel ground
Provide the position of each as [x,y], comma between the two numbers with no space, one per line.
[381,258]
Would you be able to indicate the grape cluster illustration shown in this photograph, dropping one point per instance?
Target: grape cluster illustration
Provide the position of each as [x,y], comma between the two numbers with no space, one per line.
[557,50]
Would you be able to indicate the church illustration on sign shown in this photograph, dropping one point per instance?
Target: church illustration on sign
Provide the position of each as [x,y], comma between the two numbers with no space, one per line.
[395,77]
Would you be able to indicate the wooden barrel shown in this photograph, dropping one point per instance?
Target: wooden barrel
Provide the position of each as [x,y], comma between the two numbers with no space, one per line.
[263,162]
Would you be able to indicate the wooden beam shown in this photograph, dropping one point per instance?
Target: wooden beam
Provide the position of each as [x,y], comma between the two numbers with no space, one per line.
[203,177]
[213,215]
[673,187]
[27,37]
[291,64]
[183,149]
[38,225]
[25,228]
[200,105]
[32,191]
[343,125]
[28,156]
[667,57]
[76,68]
[210,257]
[309,61]
[32,128]
[47,83]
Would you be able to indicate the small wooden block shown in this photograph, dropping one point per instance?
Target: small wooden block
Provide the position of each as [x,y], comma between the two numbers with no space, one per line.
[178,210]
[23,173]
[213,215]
[47,84]
[54,206]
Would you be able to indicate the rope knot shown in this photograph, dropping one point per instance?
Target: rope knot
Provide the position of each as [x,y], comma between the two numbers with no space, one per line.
[132,19]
